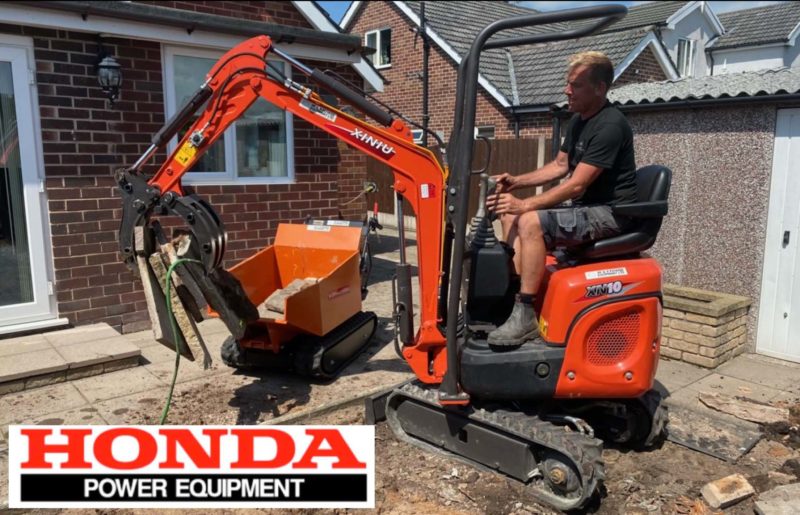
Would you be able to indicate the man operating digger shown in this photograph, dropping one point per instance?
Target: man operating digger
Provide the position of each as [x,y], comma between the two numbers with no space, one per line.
[597,153]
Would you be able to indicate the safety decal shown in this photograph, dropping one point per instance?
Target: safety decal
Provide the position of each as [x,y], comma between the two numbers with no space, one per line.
[186,153]
[317,110]
[609,272]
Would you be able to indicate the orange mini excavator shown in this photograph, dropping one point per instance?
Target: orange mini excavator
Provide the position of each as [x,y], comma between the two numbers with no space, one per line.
[537,412]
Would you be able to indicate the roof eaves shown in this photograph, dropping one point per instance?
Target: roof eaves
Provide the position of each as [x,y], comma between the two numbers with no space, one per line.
[687,9]
[317,17]
[661,55]
[759,44]
[790,39]
[350,15]
[451,52]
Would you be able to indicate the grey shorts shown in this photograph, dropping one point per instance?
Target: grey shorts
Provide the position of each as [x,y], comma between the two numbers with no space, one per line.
[571,226]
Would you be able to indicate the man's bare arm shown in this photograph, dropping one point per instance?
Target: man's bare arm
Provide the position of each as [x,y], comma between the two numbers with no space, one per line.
[573,187]
[507,203]
[555,169]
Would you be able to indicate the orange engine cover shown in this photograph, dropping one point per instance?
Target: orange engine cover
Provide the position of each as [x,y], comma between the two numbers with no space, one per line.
[608,315]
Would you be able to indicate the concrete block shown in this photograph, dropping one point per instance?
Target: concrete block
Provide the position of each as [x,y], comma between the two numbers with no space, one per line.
[81,372]
[683,325]
[45,379]
[12,386]
[727,491]
[668,352]
[669,332]
[712,352]
[702,319]
[686,346]
[703,361]
[121,364]
[781,500]
[674,313]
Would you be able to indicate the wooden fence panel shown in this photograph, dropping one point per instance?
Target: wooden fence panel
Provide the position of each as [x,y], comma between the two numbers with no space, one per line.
[514,156]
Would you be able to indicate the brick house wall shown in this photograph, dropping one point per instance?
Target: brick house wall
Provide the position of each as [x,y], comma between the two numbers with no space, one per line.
[85,140]
[403,90]
[644,68]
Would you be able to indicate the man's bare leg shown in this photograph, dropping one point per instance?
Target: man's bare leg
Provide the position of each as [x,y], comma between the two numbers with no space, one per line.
[511,237]
[522,325]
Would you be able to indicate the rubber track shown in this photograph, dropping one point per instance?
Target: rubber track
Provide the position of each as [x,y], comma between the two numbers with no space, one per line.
[585,452]
[309,353]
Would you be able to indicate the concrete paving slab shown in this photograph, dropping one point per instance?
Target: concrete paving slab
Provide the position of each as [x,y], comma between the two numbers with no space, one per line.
[127,409]
[785,399]
[157,354]
[30,343]
[77,416]
[142,339]
[186,372]
[213,325]
[25,405]
[38,362]
[677,374]
[117,384]
[727,385]
[757,371]
[84,354]
[81,334]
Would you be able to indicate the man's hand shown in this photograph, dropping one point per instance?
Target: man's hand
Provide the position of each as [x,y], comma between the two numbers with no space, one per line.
[506,203]
[505,182]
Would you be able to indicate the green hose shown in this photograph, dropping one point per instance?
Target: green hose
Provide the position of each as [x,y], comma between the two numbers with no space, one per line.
[172,323]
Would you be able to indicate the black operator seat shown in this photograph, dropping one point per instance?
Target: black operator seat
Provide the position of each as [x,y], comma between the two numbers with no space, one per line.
[646,214]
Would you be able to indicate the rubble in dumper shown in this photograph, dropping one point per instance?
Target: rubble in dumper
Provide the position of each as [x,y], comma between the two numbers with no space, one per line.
[274,307]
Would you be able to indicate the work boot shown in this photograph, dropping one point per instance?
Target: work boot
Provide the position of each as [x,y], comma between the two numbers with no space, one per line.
[520,327]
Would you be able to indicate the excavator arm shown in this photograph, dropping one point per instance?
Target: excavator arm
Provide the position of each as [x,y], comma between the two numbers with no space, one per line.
[238,79]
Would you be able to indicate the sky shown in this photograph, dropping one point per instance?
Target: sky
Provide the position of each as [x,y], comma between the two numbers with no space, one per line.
[337,9]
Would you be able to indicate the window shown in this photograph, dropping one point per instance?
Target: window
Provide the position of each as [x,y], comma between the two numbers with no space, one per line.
[381,41]
[686,49]
[486,131]
[257,148]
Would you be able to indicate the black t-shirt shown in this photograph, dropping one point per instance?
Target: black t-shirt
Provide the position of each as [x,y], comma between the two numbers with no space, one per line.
[605,140]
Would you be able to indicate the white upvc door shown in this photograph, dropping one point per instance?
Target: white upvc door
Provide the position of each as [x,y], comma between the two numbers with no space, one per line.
[25,295]
[779,308]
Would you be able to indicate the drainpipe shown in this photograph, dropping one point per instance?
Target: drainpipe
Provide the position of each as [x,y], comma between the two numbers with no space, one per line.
[426,50]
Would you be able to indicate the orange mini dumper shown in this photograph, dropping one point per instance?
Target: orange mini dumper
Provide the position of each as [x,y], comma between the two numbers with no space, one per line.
[321,316]
[533,412]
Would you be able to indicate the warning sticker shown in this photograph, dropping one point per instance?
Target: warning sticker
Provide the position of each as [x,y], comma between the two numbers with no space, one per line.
[319,228]
[186,153]
[609,272]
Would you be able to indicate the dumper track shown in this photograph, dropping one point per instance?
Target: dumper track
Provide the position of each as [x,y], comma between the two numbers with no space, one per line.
[318,357]
[551,446]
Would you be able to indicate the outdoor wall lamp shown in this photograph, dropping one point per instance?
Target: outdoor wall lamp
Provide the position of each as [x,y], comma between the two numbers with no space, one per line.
[109,74]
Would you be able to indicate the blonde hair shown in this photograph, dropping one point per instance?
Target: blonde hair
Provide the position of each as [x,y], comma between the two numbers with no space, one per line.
[601,69]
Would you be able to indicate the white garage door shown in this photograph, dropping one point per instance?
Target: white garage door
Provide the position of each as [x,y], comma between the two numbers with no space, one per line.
[779,311]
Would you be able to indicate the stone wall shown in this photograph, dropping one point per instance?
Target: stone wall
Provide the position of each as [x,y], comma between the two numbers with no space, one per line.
[702,327]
